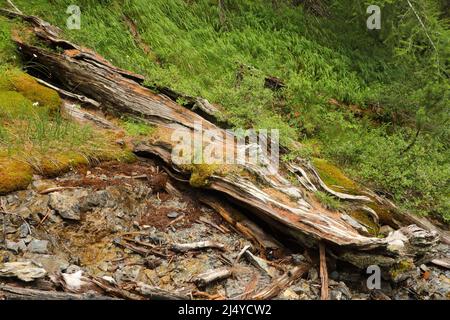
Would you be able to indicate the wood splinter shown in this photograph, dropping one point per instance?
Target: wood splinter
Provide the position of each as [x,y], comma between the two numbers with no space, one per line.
[184,247]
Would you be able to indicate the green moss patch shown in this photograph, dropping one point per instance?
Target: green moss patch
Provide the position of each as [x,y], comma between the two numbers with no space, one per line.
[200,173]
[15,80]
[14,175]
[334,178]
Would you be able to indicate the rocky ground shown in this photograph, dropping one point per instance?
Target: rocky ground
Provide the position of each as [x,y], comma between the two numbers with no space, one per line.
[118,231]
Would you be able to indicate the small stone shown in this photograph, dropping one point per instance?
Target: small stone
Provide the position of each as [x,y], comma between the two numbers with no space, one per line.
[173,215]
[38,246]
[67,204]
[16,246]
[334,275]
[12,246]
[24,230]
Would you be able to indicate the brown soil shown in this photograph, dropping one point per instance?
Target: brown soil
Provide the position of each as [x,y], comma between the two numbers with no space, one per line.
[157,216]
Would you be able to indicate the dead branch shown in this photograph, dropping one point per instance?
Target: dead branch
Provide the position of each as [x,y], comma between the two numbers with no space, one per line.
[323,272]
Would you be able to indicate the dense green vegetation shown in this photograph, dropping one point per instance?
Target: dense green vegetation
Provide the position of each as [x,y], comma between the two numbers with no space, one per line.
[375,102]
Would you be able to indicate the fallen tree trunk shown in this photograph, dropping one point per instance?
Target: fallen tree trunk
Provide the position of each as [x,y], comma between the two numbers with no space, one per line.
[18,293]
[254,187]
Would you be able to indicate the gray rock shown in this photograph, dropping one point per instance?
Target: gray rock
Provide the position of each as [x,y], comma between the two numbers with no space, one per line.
[173,214]
[24,230]
[16,246]
[94,200]
[38,246]
[67,204]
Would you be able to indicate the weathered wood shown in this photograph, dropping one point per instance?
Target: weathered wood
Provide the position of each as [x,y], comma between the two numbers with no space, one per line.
[281,283]
[83,116]
[202,280]
[155,293]
[18,293]
[244,225]
[70,95]
[324,295]
[268,195]
[208,244]
[444,262]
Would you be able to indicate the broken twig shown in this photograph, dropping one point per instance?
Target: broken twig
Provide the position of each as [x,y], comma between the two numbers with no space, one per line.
[202,280]
[184,247]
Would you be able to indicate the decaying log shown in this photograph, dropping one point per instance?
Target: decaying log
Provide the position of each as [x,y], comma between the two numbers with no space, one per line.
[243,225]
[268,195]
[70,95]
[18,293]
[202,280]
[208,244]
[82,116]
